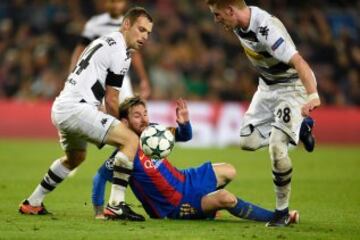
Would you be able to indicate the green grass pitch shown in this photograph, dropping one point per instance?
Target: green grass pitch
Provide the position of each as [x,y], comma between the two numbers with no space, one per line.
[325,189]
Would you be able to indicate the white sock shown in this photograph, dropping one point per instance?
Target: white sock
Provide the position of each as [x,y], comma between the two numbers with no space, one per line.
[57,172]
[37,197]
[282,196]
[120,178]
[117,194]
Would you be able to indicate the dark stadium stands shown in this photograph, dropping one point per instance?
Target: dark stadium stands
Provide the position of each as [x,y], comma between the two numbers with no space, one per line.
[188,55]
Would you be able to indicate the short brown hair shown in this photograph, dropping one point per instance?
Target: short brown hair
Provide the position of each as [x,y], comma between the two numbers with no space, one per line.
[129,103]
[134,13]
[224,3]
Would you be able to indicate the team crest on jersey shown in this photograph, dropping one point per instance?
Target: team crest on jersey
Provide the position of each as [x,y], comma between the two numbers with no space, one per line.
[104,121]
[277,44]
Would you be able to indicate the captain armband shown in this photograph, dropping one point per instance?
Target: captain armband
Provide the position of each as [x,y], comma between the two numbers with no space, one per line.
[115,80]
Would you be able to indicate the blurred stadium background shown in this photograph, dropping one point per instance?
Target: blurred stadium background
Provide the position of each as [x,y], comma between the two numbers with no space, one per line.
[188,54]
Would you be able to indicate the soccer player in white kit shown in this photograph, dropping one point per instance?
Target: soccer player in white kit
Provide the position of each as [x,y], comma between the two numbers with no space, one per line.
[75,113]
[286,93]
[105,23]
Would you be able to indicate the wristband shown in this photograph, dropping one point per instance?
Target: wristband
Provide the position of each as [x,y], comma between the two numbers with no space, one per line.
[313,96]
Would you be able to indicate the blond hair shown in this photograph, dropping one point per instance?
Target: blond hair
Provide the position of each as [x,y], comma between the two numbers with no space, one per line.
[224,3]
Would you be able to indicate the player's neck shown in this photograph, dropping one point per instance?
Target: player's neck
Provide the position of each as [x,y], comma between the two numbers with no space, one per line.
[243,18]
[129,49]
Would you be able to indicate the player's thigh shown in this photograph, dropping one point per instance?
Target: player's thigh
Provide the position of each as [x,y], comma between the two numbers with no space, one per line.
[74,147]
[119,135]
[288,116]
[72,141]
[259,114]
[84,123]
[224,173]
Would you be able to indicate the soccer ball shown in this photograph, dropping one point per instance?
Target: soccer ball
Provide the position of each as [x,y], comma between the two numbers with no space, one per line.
[157,141]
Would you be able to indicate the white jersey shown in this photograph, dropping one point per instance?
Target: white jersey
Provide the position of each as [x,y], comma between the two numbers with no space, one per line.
[103,63]
[269,47]
[100,25]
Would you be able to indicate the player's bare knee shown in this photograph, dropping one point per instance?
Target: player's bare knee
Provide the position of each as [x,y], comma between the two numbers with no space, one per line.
[247,143]
[278,144]
[230,172]
[226,199]
[278,150]
[252,141]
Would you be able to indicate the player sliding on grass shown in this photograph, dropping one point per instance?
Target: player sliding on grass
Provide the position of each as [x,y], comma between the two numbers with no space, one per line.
[98,74]
[165,191]
[286,94]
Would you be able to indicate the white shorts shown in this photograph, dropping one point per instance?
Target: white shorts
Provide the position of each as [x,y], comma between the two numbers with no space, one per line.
[126,89]
[276,106]
[79,123]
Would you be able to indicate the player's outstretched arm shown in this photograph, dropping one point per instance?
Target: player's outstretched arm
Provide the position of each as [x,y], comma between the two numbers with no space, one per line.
[98,193]
[103,175]
[182,112]
[308,79]
[183,132]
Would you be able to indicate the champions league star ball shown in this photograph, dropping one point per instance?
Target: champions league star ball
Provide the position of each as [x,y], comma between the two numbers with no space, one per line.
[157,141]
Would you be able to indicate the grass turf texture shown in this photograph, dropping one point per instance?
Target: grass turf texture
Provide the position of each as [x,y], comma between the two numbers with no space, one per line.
[326,191]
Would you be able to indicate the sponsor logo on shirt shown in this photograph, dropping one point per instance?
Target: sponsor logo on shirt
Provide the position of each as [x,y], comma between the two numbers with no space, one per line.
[264,31]
[104,121]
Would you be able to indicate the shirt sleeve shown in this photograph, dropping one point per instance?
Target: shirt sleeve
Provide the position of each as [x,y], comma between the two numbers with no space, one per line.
[118,69]
[183,132]
[88,33]
[277,40]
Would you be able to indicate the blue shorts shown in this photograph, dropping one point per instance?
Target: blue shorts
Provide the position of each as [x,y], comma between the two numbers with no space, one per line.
[199,182]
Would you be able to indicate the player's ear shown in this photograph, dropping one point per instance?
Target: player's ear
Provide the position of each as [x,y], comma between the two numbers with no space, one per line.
[125,122]
[126,24]
[229,10]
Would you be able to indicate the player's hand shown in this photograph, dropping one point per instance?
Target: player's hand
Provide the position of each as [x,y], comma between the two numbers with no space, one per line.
[182,112]
[310,106]
[145,89]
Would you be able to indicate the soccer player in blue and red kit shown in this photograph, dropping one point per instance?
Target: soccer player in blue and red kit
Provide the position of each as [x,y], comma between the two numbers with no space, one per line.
[165,191]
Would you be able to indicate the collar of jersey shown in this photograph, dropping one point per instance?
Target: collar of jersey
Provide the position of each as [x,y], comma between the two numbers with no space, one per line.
[252,13]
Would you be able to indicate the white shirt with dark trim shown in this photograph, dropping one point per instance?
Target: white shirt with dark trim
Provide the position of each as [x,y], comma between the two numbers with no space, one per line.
[103,63]
[268,46]
[100,25]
